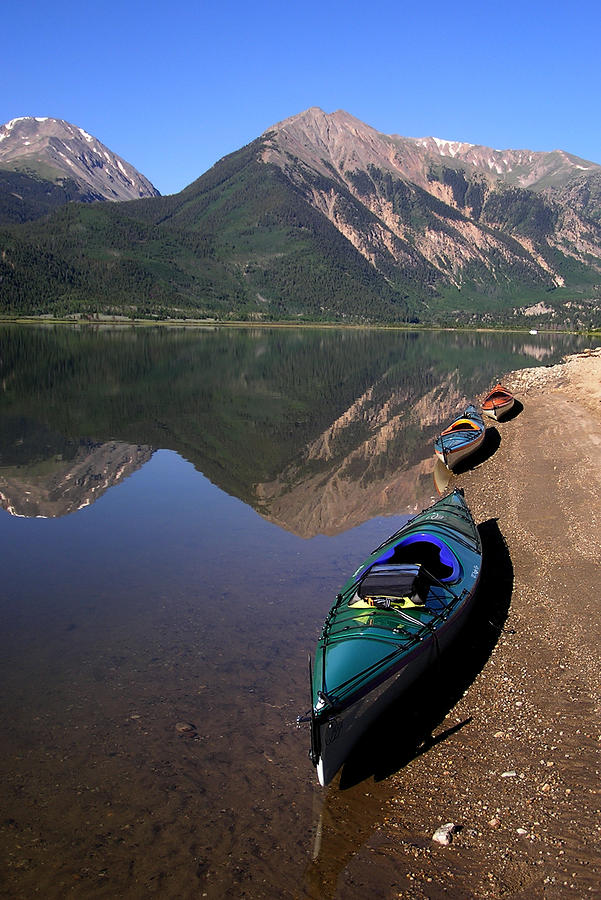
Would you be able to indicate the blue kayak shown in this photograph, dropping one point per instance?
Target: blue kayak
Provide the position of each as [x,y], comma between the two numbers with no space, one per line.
[463,437]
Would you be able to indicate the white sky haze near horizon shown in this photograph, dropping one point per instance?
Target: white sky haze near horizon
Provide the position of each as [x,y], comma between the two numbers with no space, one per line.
[173,88]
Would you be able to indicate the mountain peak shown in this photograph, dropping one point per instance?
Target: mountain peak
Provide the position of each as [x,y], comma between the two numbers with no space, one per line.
[57,150]
[315,117]
[340,141]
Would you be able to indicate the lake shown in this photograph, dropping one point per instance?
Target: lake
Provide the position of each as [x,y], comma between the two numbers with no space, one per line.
[179,508]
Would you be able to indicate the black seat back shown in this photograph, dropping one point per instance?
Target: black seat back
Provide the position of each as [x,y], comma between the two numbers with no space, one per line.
[395,581]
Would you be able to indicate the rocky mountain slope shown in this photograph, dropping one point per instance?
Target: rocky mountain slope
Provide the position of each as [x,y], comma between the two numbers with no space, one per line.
[471,216]
[324,218]
[45,162]
[321,140]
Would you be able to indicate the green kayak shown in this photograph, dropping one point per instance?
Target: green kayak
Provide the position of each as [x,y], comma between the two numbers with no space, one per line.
[394,616]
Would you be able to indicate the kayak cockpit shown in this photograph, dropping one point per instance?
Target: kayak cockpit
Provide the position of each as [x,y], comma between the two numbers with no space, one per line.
[421,548]
[462,425]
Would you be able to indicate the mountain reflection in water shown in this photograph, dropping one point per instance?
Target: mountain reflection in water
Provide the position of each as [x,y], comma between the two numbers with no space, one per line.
[59,486]
[316,430]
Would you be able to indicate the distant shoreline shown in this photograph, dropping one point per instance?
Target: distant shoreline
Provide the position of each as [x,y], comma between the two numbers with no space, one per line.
[120,322]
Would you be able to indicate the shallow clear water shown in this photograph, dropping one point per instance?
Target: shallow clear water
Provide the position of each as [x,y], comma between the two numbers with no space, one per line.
[179,511]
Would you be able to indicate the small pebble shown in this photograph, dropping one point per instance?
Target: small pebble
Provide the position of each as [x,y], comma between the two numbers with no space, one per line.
[185,727]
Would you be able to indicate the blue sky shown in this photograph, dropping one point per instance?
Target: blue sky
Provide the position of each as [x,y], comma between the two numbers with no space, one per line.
[174,86]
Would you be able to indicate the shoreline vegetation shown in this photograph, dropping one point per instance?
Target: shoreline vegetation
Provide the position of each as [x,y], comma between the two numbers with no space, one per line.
[127,322]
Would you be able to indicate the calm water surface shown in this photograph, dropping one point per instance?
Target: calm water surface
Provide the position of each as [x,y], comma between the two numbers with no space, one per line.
[178,511]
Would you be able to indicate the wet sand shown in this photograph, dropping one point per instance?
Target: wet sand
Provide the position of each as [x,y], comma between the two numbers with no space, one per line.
[514,763]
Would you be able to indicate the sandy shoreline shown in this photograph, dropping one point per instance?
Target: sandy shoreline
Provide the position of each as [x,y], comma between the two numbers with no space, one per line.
[515,762]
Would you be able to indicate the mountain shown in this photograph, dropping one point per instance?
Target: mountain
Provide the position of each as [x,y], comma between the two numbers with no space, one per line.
[47,162]
[487,221]
[341,142]
[324,218]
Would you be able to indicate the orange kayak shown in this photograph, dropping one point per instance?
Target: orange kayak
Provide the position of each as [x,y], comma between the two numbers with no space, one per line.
[498,402]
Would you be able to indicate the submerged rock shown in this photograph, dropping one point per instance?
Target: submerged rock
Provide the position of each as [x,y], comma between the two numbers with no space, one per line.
[185,728]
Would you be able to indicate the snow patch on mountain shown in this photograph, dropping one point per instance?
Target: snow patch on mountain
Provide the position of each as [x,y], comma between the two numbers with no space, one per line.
[450,148]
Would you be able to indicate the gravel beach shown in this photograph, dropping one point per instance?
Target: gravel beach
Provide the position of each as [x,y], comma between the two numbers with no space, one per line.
[510,754]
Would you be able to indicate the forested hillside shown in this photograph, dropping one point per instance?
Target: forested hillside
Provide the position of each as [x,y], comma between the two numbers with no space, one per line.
[238,241]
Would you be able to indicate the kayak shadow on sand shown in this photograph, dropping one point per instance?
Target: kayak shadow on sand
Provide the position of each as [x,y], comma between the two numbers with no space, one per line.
[514,412]
[488,447]
[405,730]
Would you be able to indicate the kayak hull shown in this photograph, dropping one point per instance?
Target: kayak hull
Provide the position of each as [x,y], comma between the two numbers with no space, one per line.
[452,456]
[340,733]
